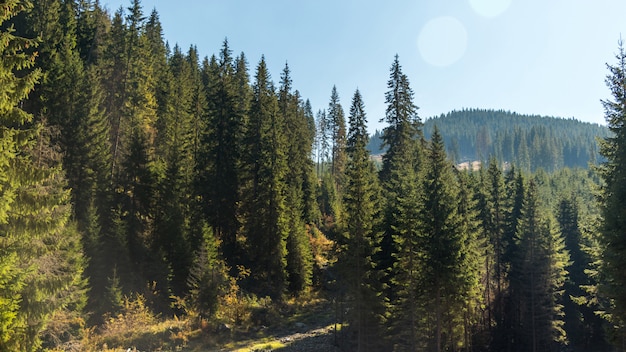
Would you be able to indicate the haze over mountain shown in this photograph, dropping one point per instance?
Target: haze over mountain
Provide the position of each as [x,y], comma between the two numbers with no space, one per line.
[529,141]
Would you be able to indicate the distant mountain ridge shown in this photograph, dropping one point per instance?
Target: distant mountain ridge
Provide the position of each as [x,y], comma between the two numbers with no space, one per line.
[528,141]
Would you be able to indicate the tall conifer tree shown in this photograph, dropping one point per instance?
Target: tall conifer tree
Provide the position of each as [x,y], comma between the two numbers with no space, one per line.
[494,224]
[403,124]
[613,198]
[12,174]
[471,297]
[583,326]
[537,277]
[219,162]
[38,238]
[266,218]
[309,186]
[443,246]
[400,169]
[299,257]
[176,152]
[361,239]
[322,142]
[337,122]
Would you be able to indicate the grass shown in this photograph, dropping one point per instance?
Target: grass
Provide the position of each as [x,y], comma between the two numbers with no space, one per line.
[136,327]
[272,345]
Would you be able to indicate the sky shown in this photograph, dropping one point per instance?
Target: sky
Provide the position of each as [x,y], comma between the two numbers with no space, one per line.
[528,56]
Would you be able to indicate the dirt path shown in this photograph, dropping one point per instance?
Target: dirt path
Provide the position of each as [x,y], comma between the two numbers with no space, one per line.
[320,339]
[310,328]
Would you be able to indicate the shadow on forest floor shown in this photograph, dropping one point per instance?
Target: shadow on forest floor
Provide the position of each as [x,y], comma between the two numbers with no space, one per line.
[312,328]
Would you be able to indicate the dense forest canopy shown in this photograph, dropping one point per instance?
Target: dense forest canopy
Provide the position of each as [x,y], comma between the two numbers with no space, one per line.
[531,142]
[156,199]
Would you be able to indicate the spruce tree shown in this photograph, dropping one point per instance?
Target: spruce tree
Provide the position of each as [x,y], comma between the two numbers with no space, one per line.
[266,220]
[132,77]
[175,155]
[403,130]
[13,173]
[494,224]
[309,186]
[50,260]
[443,246]
[337,123]
[515,185]
[361,238]
[537,278]
[400,167]
[207,276]
[90,30]
[220,156]
[471,299]
[402,223]
[583,326]
[322,143]
[115,69]
[73,101]
[73,104]
[34,217]
[298,150]
[613,197]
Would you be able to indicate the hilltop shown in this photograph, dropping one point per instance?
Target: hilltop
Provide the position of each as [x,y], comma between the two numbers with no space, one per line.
[530,141]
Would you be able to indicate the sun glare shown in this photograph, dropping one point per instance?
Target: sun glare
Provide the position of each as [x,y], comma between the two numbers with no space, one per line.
[490,8]
[442,41]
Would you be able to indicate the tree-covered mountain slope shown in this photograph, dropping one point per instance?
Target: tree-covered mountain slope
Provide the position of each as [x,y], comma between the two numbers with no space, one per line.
[529,141]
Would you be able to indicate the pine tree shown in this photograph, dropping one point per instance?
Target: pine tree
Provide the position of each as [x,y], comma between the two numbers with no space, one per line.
[613,197]
[361,240]
[198,115]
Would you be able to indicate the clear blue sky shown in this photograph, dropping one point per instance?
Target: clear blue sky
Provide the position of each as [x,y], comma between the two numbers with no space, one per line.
[528,56]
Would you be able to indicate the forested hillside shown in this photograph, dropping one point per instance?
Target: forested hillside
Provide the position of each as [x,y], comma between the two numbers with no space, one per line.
[157,200]
[531,142]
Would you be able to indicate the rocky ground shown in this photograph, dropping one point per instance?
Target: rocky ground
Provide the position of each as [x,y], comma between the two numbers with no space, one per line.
[320,339]
[311,329]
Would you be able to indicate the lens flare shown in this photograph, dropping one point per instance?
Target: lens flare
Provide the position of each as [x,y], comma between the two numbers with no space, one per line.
[442,41]
[490,8]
